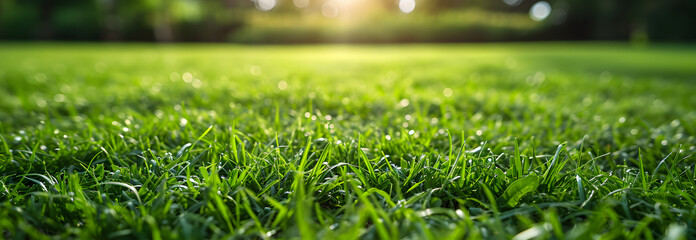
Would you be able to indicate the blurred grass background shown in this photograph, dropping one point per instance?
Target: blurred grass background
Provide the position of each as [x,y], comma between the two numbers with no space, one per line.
[347,21]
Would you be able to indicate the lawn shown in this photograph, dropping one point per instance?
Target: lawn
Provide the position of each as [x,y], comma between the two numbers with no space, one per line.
[530,140]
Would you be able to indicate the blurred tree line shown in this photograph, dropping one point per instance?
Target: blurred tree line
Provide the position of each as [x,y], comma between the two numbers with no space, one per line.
[218,20]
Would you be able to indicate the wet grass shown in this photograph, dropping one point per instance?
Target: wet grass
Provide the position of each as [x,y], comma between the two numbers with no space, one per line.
[540,140]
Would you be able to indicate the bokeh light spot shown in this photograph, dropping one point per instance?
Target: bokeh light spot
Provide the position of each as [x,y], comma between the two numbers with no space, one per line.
[255,70]
[329,9]
[540,11]
[265,5]
[407,6]
[41,103]
[512,2]
[447,92]
[301,3]
[188,77]
[404,102]
[59,98]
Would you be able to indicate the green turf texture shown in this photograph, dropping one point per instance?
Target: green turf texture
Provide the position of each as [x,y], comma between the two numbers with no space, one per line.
[492,141]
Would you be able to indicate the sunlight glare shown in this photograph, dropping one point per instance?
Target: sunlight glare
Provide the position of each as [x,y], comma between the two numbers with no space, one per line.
[329,9]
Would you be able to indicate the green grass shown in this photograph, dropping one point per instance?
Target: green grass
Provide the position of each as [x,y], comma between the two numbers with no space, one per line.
[544,140]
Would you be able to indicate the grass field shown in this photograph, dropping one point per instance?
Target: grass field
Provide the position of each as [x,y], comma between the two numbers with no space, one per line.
[494,141]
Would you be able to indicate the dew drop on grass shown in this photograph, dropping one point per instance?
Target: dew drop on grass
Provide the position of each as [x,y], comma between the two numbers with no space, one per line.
[411,132]
[387,137]
[334,226]
[183,122]
[459,213]
[479,132]
[664,142]
[475,150]
[408,117]
[622,120]
[273,232]
[18,138]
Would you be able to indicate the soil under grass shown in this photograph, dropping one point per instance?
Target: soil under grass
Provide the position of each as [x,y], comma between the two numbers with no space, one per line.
[547,140]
